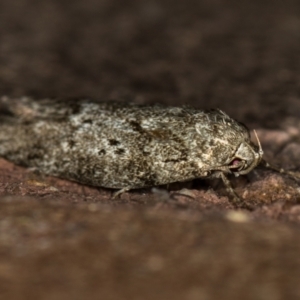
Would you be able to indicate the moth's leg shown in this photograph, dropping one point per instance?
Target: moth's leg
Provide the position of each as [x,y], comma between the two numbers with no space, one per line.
[234,198]
[121,191]
[291,174]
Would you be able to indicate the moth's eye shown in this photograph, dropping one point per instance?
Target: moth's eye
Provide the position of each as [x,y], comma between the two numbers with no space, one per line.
[236,164]
[236,161]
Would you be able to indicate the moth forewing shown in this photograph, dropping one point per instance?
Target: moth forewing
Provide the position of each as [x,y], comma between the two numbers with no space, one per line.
[125,146]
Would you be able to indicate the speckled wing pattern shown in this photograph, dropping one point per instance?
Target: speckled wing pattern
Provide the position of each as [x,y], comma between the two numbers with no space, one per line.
[119,145]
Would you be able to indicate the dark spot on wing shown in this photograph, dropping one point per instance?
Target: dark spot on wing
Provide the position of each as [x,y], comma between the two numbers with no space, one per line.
[33,156]
[114,142]
[120,151]
[88,121]
[71,143]
[102,152]
[136,126]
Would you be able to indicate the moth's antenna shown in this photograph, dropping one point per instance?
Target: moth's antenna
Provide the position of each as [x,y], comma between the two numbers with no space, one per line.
[261,152]
[264,163]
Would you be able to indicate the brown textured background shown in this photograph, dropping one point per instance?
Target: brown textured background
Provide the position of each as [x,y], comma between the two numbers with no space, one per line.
[61,240]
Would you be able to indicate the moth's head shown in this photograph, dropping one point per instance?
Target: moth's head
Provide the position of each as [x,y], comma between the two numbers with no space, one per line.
[246,157]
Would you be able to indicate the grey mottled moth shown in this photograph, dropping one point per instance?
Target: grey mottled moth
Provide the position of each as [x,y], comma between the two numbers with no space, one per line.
[125,146]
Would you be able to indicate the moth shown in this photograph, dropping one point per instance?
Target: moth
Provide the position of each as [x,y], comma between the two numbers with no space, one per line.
[125,146]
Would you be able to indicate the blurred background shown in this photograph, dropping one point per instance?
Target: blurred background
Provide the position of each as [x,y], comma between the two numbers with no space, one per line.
[63,240]
[239,56]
